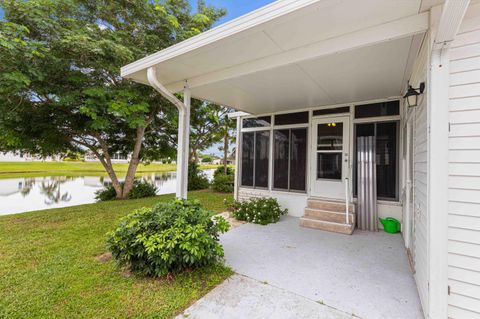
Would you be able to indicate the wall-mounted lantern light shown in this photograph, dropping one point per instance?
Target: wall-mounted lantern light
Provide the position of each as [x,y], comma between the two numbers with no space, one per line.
[412,94]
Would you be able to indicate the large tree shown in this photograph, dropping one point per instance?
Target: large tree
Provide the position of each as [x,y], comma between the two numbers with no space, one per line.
[206,123]
[60,88]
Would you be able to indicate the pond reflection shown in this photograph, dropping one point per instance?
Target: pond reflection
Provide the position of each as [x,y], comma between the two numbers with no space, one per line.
[19,195]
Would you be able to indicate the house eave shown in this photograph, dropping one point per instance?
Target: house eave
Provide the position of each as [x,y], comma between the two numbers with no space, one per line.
[245,22]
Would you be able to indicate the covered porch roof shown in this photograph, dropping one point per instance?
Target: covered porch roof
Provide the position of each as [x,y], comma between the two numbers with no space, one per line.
[296,54]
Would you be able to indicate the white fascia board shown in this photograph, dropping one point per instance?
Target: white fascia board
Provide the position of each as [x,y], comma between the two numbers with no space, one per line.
[245,22]
[397,29]
[450,21]
[237,114]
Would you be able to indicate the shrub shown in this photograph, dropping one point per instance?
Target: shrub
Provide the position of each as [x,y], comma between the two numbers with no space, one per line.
[169,237]
[196,178]
[223,183]
[107,193]
[221,171]
[140,189]
[257,210]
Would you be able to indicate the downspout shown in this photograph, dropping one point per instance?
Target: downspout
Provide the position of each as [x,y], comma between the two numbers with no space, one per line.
[183,130]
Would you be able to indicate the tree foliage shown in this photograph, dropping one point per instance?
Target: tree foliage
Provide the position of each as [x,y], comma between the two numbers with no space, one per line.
[206,126]
[60,88]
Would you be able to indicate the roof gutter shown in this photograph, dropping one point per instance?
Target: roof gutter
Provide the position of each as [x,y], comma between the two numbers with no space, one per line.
[183,150]
[153,81]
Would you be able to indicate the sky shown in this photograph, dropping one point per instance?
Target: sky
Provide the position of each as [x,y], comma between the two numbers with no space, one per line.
[235,8]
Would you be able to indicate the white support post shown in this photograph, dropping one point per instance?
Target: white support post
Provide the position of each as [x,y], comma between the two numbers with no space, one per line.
[180,159]
[438,181]
[186,142]
[237,158]
[451,18]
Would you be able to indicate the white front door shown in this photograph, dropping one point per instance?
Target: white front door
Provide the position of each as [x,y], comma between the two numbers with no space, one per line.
[330,154]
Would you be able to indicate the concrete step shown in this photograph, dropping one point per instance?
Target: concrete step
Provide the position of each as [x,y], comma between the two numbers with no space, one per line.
[327,216]
[327,226]
[332,206]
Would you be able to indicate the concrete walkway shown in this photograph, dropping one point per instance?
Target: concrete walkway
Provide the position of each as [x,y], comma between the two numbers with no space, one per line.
[287,268]
[241,297]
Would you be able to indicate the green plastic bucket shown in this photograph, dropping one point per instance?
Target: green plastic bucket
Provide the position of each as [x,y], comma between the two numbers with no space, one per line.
[390,225]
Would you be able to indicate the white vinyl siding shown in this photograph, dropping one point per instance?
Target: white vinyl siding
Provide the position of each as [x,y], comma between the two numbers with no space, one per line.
[464,171]
[420,177]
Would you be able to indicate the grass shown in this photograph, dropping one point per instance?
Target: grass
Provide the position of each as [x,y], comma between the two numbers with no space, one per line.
[48,267]
[34,169]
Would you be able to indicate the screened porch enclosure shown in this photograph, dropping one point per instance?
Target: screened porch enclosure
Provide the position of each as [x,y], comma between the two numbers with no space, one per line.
[312,153]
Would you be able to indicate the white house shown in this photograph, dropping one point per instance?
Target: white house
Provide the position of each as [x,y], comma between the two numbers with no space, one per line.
[310,77]
[115,158]
[24,157]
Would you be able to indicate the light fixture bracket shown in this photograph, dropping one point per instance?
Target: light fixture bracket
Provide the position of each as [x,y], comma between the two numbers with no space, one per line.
[412,94]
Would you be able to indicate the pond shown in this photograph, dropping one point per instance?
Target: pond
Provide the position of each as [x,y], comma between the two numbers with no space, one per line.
[18,195]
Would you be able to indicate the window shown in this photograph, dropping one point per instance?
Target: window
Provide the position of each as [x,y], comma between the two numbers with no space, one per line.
[330,137]
[263,121]
[386,140]
[262,141]
[248,148]
[281,146]
[290,159]
[377,109]
[329,150]
[291,118]
[336,110]
[255,156]
[298,159]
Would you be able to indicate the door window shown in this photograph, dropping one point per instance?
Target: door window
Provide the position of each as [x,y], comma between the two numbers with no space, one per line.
[329,150]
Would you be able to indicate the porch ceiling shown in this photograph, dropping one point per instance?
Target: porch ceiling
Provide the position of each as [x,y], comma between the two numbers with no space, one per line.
[296,54]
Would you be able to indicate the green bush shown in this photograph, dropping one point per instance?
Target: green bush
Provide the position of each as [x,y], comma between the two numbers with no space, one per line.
[140,189]
[107,193]
[257,210]
[196,178]
[221,171]
[167,238]
[223,183]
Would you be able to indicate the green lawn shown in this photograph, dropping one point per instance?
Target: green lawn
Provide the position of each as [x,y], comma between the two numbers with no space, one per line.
[33,169]
[48,267]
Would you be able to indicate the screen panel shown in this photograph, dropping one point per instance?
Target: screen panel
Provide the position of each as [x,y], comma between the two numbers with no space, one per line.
[263,121]
[248,156]
[298,159]
[262,141]
[280,159]
[291,118]
[329,165]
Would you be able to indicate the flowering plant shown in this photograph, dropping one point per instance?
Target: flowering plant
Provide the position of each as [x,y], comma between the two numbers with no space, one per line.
[257,210]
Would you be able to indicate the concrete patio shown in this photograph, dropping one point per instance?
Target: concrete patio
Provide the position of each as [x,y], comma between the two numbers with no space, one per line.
[366,275]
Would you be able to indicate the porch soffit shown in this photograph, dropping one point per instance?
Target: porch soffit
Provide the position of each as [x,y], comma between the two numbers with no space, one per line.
[318,53]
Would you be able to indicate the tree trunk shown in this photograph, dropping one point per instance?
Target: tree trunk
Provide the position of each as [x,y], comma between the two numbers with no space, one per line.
[193,155]
[134,161]
[107,164]
[225,151]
